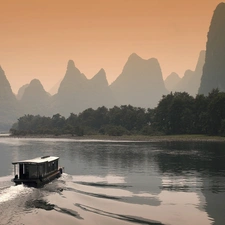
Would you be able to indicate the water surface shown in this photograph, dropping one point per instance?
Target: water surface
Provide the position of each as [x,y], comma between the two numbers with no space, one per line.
[110,182]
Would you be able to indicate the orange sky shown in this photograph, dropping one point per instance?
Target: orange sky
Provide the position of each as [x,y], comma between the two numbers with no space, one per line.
[38,37]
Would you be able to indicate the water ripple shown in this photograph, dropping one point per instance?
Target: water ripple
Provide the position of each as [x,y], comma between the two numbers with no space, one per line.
[127,218]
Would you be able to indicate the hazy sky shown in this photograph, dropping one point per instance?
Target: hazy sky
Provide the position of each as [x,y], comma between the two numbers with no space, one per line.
[38,37]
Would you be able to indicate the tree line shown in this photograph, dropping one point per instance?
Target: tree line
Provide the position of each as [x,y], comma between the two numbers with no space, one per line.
[176,113]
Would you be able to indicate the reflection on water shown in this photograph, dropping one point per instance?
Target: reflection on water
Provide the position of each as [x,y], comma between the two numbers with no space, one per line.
[117,183]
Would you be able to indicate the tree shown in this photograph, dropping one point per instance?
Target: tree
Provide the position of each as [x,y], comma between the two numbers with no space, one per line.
[216,113]
[200,114]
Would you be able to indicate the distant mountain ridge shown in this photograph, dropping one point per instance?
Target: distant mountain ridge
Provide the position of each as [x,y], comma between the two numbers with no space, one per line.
[21,91]
[35,99]
[101,94]
[140,83]
[171,81]
[9,107]
[77,93]
[5,88]
[54,90]
[190,82]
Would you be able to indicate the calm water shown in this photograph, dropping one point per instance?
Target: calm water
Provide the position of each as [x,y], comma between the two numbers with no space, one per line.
[117,183]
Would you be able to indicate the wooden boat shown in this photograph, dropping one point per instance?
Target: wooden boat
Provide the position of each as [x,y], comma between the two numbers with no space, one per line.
[37,172]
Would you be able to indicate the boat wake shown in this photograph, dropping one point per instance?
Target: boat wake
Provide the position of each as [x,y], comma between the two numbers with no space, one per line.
[9,193]
[74,200]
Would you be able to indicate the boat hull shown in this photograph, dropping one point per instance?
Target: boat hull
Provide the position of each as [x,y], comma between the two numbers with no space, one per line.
[39,182]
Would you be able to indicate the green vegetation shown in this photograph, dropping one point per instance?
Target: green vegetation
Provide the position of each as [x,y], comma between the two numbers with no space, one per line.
[177,113]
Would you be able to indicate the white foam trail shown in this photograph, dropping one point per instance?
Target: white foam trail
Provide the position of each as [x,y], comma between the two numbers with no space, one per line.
[6,178]
[109,179]
[12,192]
[13,141]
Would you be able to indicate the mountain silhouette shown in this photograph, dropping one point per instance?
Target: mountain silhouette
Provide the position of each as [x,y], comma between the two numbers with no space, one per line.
[101,94]
[9,107]
[171,81]
[190,82]
[77,93]
[100,79]
[21,91]
[72,94]
[214,69]
[140,83]
[73,79]
[35,99]
[54,90]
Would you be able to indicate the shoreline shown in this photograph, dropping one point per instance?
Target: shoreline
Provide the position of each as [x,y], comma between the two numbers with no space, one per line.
[163,138]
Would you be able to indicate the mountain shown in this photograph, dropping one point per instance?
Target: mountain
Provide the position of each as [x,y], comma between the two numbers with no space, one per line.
[190,82]
[99,80]
[214,69]
[55,88]
[140,84]
[171,81]
[9,107]
[184,83]
[77,93]
[72,95]
[73,79]
[195,81]
[35,99]
[21,91]
[100,93]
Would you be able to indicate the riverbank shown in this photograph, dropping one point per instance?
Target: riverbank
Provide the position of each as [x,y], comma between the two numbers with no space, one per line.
[164,138]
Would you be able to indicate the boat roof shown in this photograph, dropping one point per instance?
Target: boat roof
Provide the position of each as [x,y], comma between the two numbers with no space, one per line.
[38,160]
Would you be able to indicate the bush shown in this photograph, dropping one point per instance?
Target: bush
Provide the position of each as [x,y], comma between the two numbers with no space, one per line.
[116,131]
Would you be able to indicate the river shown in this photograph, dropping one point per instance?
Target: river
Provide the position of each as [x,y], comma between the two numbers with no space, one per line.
[111,182]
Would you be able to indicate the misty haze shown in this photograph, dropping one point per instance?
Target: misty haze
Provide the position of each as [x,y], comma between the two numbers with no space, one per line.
[128,96]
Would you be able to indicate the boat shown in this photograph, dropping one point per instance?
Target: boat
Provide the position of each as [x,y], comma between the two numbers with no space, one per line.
[37,172]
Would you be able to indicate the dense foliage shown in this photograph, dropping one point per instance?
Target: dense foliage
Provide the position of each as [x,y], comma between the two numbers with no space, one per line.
[176,113]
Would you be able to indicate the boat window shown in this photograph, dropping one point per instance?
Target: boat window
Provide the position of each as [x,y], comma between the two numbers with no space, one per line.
[31,171]
[54,165]
[49,167]
[21,171]
[41,170]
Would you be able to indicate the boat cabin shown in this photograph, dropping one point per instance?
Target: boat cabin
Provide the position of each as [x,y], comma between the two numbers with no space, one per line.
[37,168]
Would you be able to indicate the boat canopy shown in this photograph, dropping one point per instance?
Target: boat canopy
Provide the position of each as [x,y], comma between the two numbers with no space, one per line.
[38,160]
